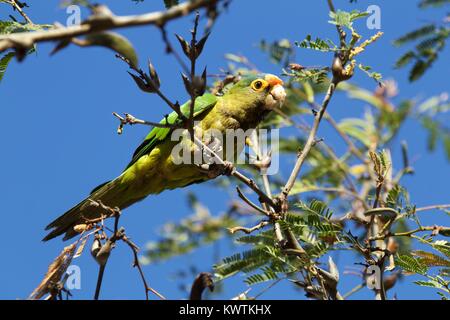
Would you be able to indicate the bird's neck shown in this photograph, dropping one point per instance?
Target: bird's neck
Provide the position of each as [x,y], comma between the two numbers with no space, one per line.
[240,112]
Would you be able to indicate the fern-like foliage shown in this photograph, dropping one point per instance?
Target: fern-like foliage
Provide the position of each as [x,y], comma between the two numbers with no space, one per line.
[314,75]
[346,19]
[433,3]
[411,264]
[429,41]
[317,44]
[280,52]
[4,63]
[267,261]
[8,27]
[420,262]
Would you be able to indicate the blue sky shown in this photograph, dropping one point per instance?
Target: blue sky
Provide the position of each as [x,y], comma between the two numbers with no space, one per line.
[58,137]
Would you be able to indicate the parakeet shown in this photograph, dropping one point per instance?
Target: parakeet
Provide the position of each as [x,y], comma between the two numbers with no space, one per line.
[153,169]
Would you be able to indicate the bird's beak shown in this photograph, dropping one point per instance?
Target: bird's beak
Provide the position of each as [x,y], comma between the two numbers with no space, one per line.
[277,94]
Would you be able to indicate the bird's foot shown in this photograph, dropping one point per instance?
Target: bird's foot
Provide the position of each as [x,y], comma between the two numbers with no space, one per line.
[214,170]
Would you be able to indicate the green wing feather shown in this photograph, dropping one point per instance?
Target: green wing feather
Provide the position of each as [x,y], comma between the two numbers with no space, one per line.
[202,104]
[65,223]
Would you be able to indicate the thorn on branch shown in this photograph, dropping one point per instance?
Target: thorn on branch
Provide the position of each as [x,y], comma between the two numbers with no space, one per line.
[316,141]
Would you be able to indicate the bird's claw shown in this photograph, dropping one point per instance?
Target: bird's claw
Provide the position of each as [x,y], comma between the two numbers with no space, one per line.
[214,170]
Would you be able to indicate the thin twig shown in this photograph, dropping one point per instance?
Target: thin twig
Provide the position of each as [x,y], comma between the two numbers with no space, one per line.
[354,290]
[250,203]
[435,207]
[130,119]
[309,143]
[137,264]
[18,8]
[407,233]
[259,226]
[102,256]
[340,29]
[352,147]
[101,271]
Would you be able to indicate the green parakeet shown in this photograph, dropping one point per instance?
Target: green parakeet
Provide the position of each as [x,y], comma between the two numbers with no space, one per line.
[152,168]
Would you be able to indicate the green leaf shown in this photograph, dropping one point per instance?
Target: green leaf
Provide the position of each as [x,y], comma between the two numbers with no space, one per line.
[430,259]
[416,34]
[431,284]
[246,261]
[267,275]
[433,3]
[405,59]
[313,75]
[318,44]
[355,92]
[280,52]
[374,75]
[346,19]
[8,27]
[411,264]
[316,207]
[4,63]
[358,129]
[113,41]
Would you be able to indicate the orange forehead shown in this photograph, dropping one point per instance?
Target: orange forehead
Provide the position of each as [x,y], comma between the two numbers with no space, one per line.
[273,80]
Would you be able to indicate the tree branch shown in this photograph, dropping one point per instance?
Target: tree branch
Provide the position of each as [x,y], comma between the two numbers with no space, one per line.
[100,23]
[309,144]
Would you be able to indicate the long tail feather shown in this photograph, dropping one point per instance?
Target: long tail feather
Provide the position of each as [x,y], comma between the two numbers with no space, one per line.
[84,211]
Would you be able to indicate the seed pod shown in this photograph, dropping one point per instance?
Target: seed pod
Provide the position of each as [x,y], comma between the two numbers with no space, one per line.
[96,246]
[102,255]
[200,45]
[79,228]
[184,45]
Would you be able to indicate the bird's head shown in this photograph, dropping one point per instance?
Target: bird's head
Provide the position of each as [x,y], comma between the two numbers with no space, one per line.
[263,91]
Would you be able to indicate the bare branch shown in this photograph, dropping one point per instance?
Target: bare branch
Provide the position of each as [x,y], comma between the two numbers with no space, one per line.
[308,146]
[136,263]
[251,204]
[435,207]
[259,226]
[130,120]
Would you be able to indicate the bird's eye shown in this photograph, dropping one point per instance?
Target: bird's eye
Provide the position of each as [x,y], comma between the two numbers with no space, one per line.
[258,85]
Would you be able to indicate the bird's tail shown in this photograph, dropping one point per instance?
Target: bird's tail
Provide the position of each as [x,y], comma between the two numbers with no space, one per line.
[85,211]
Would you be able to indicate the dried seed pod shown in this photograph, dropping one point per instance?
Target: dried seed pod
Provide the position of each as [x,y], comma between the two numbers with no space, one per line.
[96,246]
[79,228]
[385,213]
[184,45]
[102,255]
[200,45]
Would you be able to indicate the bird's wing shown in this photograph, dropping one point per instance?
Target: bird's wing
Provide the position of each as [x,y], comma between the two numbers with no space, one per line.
[157,135]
